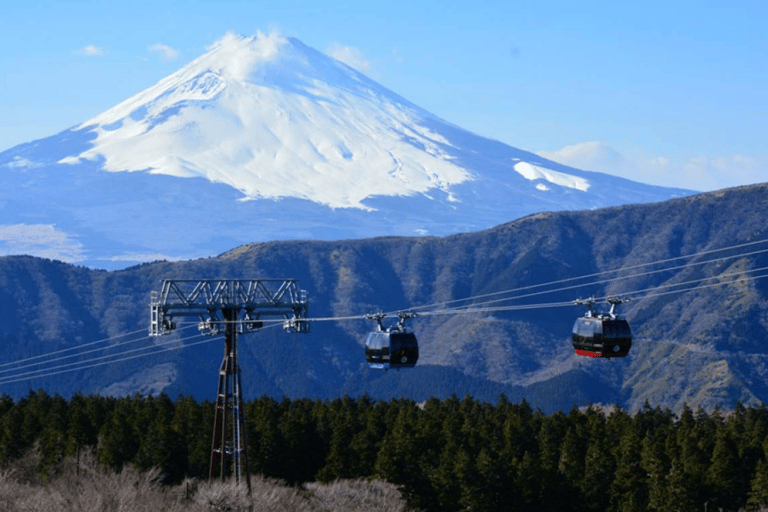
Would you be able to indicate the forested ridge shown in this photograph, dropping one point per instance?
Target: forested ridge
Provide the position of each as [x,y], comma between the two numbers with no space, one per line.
[452,454]
[702,345]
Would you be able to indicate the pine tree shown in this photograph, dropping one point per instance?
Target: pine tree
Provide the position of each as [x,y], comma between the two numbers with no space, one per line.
[758,493]
[264,438]
[654,462]
[723,476]
[599,469]
[193,431]
[555,491]
[629,491]
[118,441]
[398,459]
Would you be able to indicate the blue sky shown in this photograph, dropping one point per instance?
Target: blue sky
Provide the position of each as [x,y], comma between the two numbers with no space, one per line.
[672,93]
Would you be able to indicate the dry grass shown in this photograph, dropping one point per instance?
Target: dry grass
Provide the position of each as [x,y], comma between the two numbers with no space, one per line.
[22,488]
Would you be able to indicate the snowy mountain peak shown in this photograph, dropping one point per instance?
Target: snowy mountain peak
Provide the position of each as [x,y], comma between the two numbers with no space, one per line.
[264,138]
[273,118]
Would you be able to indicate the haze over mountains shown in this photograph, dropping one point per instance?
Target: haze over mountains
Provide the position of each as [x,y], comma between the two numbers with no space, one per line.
[264,138]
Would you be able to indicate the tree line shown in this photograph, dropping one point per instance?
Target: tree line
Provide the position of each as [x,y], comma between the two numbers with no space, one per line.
[448,455]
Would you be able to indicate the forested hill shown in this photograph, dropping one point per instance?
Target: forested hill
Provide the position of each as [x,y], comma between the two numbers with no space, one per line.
[450,455]
[695,343]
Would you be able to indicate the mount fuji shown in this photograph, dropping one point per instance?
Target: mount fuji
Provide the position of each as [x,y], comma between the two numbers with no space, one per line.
[264,138]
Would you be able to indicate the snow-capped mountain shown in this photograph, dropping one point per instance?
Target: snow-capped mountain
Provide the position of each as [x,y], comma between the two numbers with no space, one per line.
[266,138]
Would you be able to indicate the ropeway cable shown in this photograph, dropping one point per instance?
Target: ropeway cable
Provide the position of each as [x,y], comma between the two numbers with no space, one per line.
[156,348]
[485,306]
[24,377]
[604,281]
[711,285]
[104,340]
[79,354]
[99,358]
[597,274]
[629,293]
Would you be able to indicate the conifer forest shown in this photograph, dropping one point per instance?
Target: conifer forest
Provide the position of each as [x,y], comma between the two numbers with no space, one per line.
[443,455]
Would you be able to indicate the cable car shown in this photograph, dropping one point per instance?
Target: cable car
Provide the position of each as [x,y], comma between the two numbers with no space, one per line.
[391,348]
[602,335]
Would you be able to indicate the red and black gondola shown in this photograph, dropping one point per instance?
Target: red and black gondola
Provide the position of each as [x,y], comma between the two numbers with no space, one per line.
[602,335]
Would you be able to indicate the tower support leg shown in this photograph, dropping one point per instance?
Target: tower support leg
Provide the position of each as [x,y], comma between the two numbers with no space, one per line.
[229,435]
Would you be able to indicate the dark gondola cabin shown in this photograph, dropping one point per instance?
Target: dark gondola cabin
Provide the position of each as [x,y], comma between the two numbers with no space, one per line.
[602,335]
[391,348]
[384,350]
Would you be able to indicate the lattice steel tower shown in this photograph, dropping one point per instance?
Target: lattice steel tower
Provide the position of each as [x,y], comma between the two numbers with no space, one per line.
[230,307]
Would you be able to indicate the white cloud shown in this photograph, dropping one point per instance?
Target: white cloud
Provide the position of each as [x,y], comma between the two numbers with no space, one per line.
[144,257]
[697,172]
[350,56]
[167,52]
[90,51]
[19,162]
[238,55]
[590,156]
[41,240]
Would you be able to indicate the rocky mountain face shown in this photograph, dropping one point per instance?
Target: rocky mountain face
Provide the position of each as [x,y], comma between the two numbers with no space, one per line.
[264,138]
[700,318]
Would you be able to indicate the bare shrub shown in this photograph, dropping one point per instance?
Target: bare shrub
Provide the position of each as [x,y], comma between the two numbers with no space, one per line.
[69,487]
[22,488]
[266,495]
[358,496]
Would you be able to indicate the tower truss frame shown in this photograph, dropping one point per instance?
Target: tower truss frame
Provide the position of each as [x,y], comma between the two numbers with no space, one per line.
[231,307]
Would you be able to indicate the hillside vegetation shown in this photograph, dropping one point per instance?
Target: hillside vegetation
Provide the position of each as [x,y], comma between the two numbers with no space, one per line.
[85,487]
[704,346]
[444,456]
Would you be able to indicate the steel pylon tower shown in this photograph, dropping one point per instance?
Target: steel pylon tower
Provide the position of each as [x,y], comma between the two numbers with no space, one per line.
[230,307]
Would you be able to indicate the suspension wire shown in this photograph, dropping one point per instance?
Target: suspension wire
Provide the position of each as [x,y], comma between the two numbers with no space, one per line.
[571,303]
[479,307]
[604,281]
[161,347]
[598,274]
[99,358]
[28,376]
[742,279]
[60,358]
[519,307]
[73,348]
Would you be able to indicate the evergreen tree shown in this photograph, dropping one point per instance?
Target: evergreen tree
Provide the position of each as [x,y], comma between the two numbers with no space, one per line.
[192,428]
[758,492]
[397,460]
[527,482]
[12,440]
[367,441]
[118,443]
[655,464]
[340,462]
[723,476]
[599,469]
[264,438]
[302,450]
[160,446]
[629,492]
[555,491]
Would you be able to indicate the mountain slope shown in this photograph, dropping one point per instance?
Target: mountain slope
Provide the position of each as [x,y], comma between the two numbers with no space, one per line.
[694,343]
[264,138]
